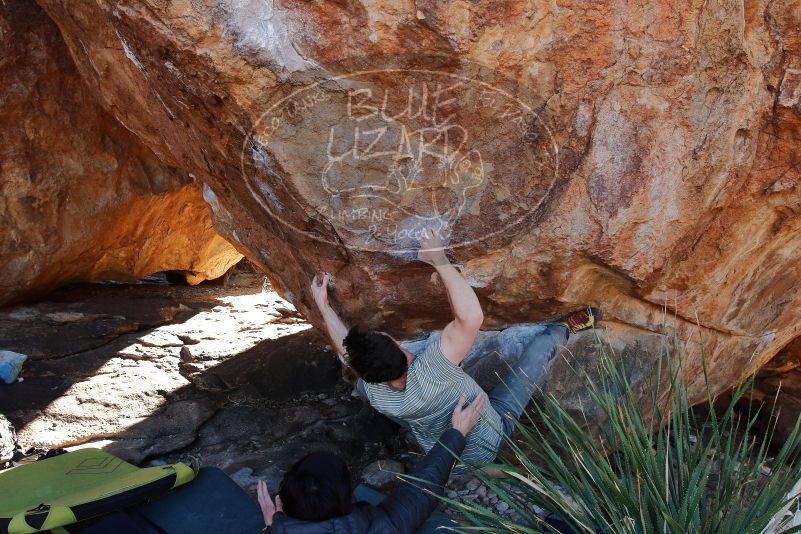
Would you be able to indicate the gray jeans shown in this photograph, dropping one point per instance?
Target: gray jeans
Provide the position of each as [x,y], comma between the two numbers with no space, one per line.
[510,397]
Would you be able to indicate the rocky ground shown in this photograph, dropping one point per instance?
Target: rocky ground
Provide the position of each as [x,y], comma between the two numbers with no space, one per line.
[230,375]
[153,372]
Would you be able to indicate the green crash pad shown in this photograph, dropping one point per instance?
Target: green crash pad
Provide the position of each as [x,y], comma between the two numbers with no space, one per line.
[76,486]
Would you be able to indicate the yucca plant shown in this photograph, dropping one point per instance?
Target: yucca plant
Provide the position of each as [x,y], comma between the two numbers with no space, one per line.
[652,465]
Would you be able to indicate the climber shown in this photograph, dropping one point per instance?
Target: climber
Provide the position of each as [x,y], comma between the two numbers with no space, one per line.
[315,494]
[418,389]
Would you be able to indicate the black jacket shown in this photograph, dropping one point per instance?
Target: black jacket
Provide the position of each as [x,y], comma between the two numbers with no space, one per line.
[403,511]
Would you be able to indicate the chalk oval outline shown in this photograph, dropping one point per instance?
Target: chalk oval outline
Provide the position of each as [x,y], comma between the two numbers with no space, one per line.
[387,250]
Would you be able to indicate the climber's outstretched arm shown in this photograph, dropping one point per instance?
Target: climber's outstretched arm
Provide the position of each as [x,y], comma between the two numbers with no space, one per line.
[459,334]
[334,326]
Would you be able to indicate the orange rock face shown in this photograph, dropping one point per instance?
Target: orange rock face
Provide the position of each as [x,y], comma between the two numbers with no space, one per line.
[640,157]
[80,197]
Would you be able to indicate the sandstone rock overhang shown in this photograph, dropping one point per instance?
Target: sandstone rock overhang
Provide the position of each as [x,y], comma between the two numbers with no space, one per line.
[672,134]
[81,198]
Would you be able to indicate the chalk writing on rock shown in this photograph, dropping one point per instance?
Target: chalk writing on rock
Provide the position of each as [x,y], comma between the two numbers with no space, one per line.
[380,155]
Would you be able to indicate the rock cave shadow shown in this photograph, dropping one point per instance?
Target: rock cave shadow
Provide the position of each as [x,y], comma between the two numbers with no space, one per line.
[256,411]
[271,404]
[273,369]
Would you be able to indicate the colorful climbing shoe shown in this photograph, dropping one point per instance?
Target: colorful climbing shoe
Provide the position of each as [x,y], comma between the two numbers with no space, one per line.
[581,319]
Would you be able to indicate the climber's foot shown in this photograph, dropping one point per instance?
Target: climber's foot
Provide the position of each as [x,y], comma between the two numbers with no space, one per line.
[581,319]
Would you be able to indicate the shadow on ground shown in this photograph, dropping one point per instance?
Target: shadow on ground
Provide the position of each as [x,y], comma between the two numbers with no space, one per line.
[154,372]
[76,332]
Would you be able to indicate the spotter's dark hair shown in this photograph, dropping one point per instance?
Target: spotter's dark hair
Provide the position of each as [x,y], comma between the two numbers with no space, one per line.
[316,488]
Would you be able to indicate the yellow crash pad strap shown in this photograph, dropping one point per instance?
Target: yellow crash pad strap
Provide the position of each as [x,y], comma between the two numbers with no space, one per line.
[184,473]
[57,516]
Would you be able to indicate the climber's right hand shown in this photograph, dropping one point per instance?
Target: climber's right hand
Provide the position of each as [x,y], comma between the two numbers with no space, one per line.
[319,289]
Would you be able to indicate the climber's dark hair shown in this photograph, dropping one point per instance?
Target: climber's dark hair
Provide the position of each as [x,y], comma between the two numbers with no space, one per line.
[316,488]
[374,356]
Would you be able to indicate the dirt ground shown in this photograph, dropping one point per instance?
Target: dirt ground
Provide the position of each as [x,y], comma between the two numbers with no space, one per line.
[154,372]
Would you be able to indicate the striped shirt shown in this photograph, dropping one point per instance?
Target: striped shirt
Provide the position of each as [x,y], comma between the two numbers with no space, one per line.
[433,386]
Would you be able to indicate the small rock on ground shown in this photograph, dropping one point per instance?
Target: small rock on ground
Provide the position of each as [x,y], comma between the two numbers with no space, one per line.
[8,440]
[381,473]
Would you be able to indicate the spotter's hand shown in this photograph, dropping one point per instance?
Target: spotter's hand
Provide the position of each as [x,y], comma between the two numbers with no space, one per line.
[268,508]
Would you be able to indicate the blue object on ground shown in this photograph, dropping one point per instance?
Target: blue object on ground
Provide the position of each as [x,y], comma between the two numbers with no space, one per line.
[368,495]
[210,504]
[437,522]
[10,365]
